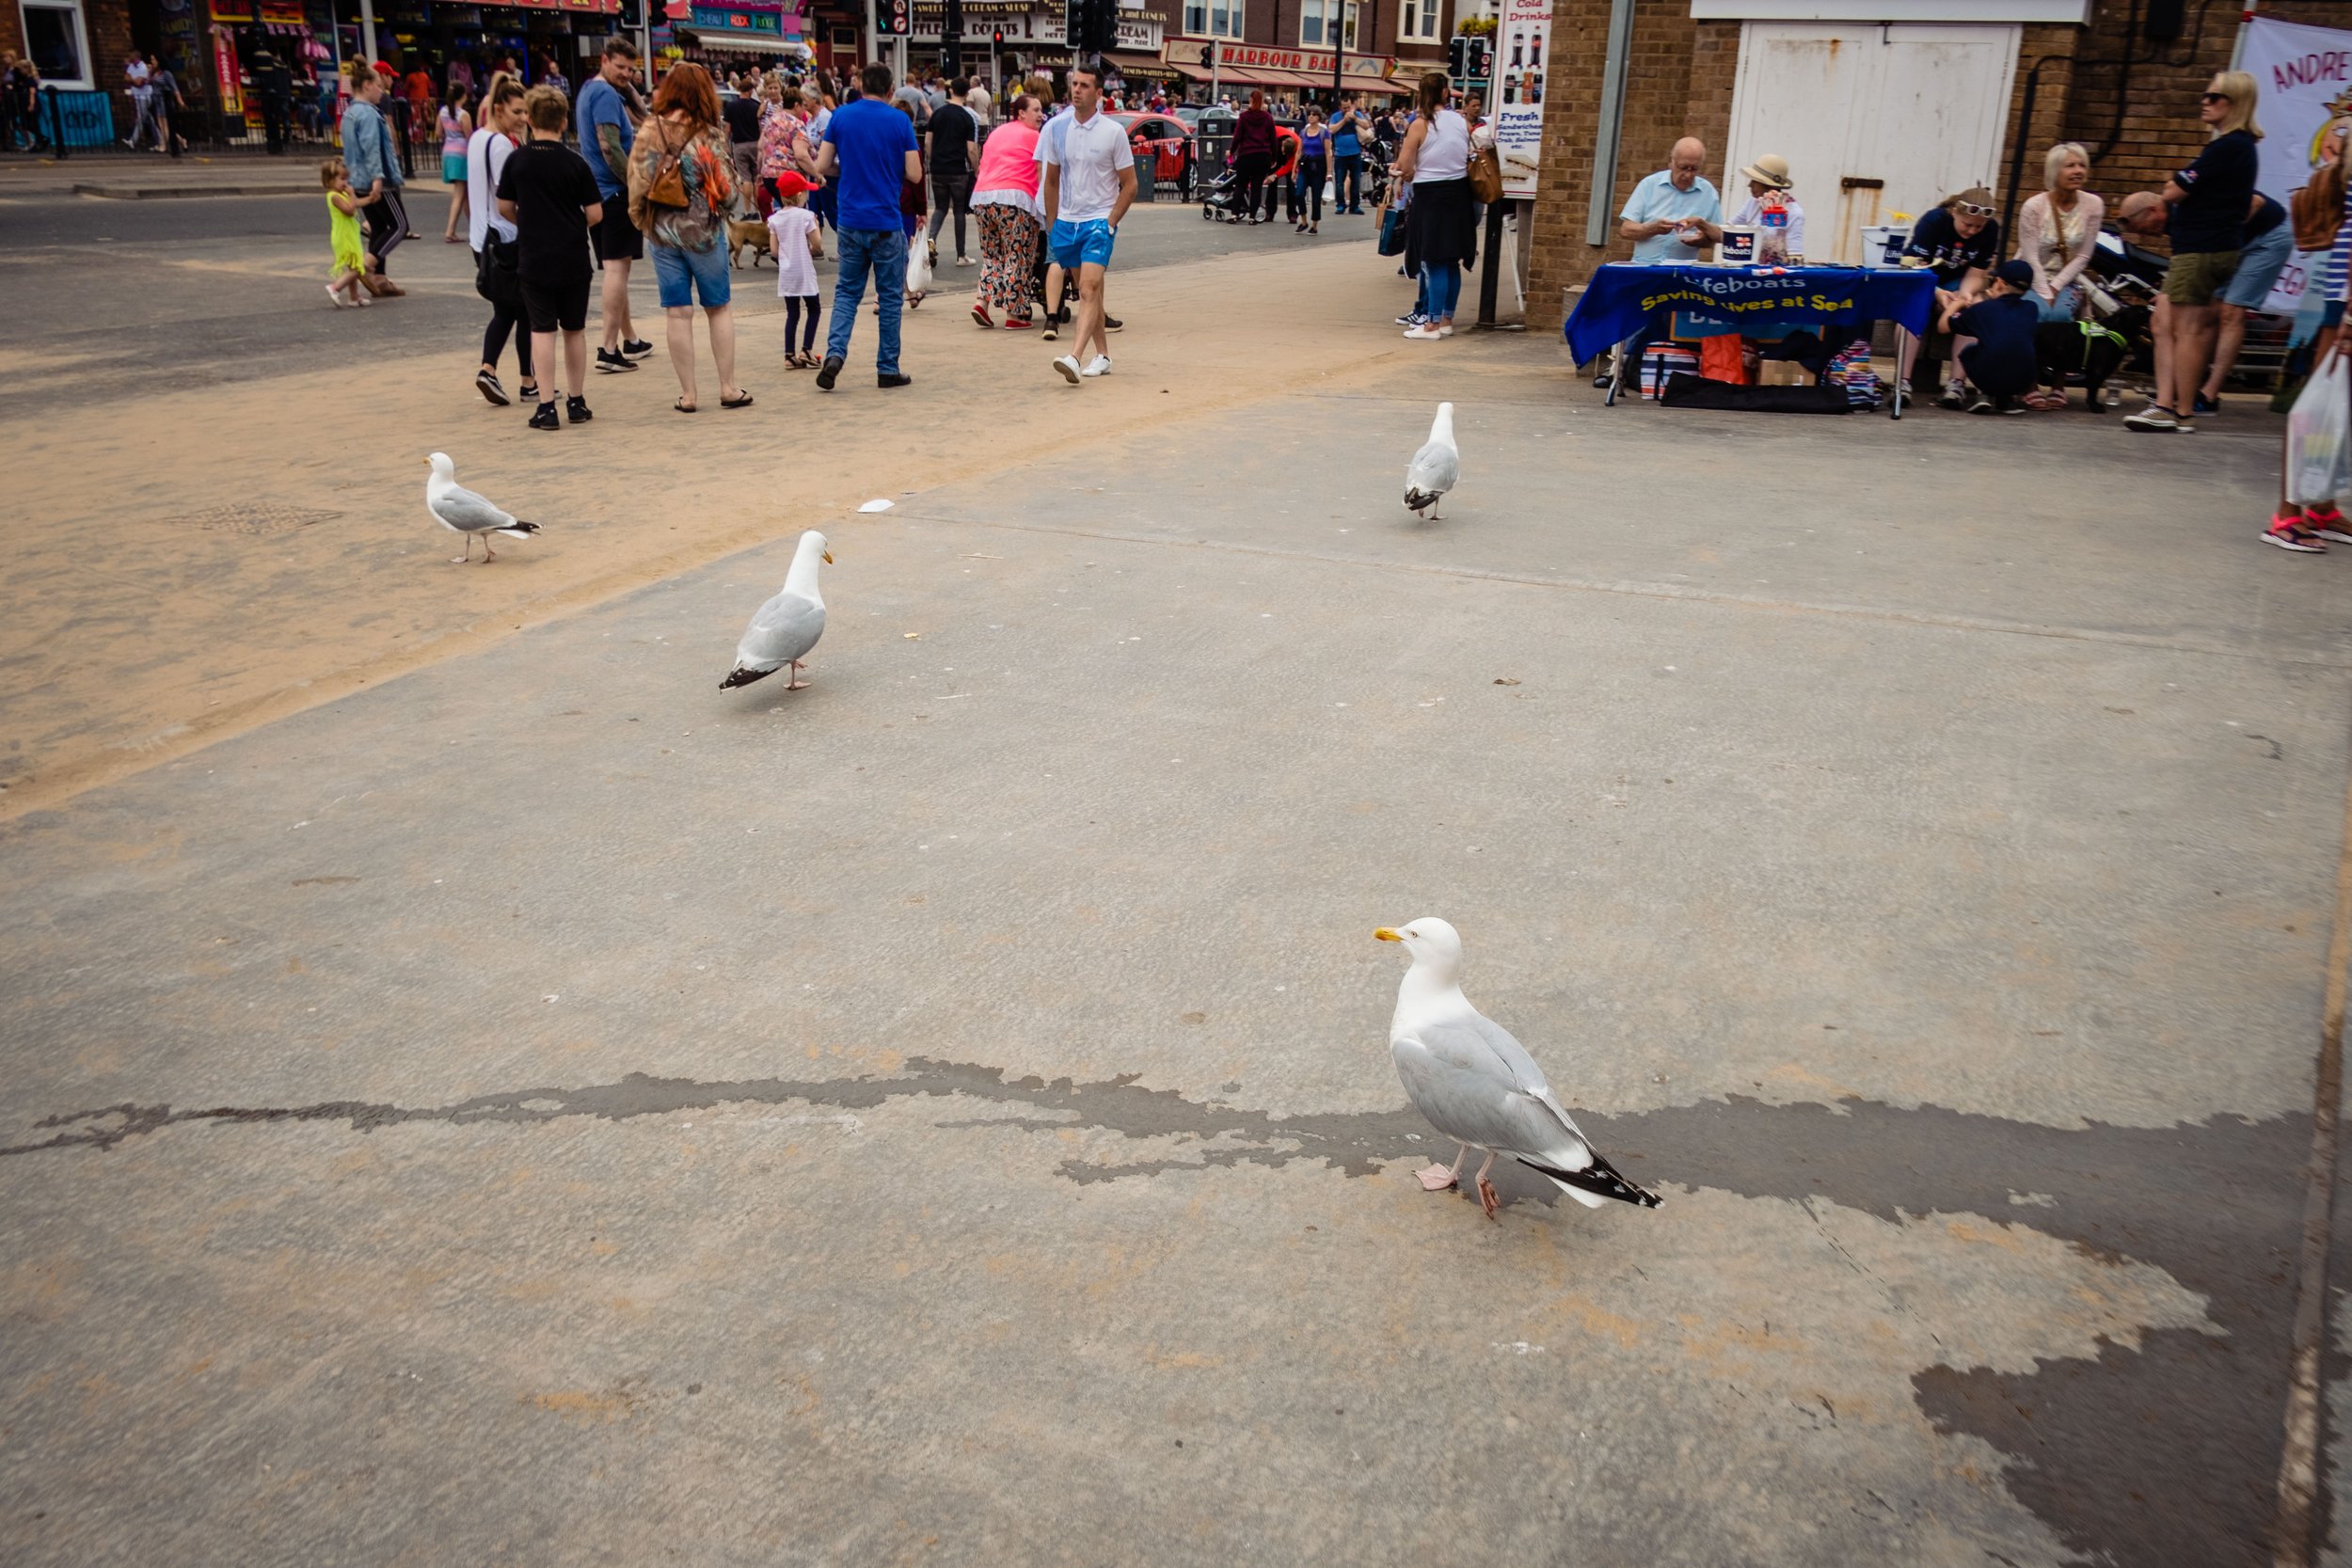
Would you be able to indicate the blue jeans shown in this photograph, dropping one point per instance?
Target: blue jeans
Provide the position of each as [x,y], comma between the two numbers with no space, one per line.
[1445,287]
[883,250]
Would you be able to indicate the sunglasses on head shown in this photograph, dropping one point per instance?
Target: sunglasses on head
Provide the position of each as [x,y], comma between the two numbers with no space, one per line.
[2217,98]
[1972,209]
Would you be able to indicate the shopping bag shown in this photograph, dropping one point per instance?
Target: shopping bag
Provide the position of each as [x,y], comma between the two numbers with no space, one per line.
[918,267]
[2319,435]
[1392,232]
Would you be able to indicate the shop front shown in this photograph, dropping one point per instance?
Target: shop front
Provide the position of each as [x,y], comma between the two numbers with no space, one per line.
[732,37]
[1296,75]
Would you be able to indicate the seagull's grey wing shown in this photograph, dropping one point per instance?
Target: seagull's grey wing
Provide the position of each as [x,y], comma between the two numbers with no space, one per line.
[1434,469]
[1476,1084]
[466,512]
[785,629]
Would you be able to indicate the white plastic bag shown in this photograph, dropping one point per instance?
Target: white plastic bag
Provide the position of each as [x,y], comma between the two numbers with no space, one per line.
[918,267]
[2319,435]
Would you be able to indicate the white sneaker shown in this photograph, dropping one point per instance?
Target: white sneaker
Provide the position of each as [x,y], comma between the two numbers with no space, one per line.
[1446,331]
[964,262]
[1425,333]
[1100,365]
[337,296]
[1068,365]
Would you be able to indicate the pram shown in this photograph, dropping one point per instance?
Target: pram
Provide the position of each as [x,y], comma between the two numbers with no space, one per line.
[1221,202]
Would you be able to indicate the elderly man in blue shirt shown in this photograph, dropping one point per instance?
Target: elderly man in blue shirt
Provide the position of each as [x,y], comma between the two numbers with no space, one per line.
[1670,216]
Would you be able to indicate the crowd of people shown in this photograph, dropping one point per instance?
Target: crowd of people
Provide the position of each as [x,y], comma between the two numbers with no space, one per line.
[549,191]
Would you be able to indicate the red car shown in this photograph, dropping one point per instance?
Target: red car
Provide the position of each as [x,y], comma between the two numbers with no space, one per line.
[1163,143]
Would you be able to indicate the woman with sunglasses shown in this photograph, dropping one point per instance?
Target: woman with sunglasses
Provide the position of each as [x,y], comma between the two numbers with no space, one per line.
[1960,244]
[2210,200]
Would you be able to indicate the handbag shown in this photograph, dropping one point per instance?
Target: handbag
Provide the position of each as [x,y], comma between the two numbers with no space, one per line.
[497,270]
[1486,175]
[1392,232]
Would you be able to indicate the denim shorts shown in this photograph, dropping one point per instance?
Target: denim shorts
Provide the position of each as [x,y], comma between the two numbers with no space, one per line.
[685,274]
[2258,268]
[1076,243]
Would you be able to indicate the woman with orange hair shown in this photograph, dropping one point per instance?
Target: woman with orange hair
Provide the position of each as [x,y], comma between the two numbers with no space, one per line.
[681,179]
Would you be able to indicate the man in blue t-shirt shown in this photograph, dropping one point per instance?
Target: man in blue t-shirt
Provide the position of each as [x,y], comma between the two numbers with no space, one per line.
[606,134]
[868,152]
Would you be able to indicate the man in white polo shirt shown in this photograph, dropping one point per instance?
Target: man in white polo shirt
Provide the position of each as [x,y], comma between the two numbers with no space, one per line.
[1089,180]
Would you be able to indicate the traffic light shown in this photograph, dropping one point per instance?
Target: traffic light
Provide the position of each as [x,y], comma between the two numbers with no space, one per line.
[632,15]
[898,17]
[1074,26]
[1208,56]
[1482,60]
[1102,26]
[1457,57]
[996,39]
[951,20]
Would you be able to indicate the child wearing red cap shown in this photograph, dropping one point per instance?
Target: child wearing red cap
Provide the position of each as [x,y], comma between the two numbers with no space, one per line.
[792,235]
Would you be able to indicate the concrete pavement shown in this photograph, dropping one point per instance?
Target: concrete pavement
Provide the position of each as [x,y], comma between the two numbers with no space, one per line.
[542,1107]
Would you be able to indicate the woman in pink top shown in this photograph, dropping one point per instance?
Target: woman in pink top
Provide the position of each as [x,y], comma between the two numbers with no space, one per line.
[1005,197]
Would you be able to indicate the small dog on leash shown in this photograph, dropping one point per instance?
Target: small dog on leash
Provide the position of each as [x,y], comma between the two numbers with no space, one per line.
[747,232]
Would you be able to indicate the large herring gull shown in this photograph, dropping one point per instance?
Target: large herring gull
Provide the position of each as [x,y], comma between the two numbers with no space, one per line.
[789,624]
[1435,467]
[1478,1086]
[461,511]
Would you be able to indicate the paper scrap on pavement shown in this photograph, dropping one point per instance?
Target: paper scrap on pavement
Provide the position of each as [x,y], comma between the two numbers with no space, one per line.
[878,505]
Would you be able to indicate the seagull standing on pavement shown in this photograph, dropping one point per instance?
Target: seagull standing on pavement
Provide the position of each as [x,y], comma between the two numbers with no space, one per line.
[1478,1086]
[1434,469]
[789,624]
[461,511]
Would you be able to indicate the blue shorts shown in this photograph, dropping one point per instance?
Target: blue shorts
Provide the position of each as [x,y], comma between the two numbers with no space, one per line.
[684,274]
[1075,243]
[2258,268]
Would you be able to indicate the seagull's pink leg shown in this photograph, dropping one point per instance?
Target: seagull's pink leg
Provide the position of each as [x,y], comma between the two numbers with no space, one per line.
[1435,1177]
[1488,1198]
[795,684]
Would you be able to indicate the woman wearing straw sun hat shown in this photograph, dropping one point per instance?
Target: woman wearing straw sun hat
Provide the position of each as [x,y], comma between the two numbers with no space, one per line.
[1770,172]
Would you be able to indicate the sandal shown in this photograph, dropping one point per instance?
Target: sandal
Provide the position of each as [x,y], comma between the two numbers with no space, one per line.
[682,407]
[744,402]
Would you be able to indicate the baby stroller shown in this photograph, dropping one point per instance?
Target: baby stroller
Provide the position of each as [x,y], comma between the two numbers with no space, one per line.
[1221,202]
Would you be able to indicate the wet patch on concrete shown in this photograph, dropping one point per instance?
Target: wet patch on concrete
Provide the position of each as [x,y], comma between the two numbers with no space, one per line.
[2166,1453]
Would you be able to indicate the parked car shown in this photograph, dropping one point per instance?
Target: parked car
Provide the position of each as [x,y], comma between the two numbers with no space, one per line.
[1169,142]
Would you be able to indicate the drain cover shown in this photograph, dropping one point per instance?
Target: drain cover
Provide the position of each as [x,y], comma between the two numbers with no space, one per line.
[258,521]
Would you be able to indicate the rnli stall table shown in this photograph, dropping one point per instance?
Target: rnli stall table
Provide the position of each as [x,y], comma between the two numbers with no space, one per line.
[1623,297]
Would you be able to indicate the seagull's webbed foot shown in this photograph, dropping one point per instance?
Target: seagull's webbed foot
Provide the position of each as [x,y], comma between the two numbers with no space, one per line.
[1436,1179]
[1488,1198]
[462,560]
[795,684]
[486,556]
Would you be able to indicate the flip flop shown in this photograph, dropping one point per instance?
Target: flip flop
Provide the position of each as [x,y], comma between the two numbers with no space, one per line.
[744,402]
[680,406]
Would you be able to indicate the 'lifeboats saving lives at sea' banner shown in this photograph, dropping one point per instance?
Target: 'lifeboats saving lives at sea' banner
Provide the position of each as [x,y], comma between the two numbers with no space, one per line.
[2305,75]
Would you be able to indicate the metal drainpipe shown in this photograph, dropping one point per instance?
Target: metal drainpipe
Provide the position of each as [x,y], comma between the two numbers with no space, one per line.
[1611,112]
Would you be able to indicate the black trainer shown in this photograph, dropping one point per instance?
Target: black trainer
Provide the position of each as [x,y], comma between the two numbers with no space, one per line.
[1112,324]
[611,361]
[487,381]
[543,417]
[636,348]
[577,410]
[828,373]
[893,378]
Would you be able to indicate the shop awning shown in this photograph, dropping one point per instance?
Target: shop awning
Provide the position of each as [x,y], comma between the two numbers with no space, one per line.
[1148,67]
[744,43]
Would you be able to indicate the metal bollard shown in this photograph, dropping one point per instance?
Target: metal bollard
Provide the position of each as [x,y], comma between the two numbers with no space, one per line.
[56,121]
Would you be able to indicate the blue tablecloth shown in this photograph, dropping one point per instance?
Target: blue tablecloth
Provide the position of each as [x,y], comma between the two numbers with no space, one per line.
[1622,296]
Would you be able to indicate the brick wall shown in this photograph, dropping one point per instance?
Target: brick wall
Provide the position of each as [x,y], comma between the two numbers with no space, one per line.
[1678,82]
